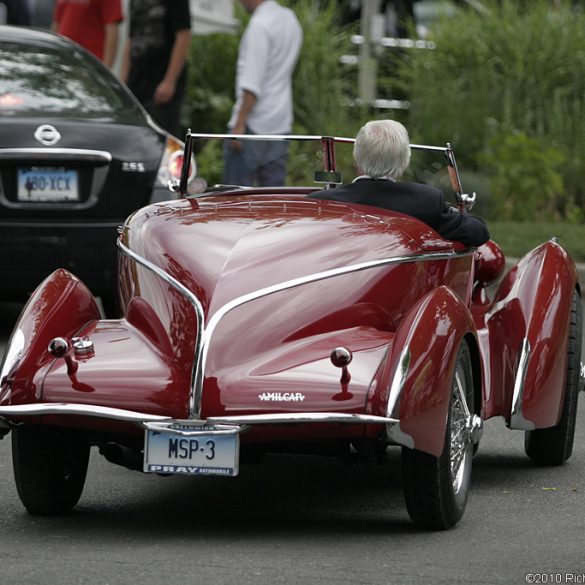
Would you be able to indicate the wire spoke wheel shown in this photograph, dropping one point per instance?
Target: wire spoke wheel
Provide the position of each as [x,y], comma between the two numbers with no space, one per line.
[436,488]
[461,444]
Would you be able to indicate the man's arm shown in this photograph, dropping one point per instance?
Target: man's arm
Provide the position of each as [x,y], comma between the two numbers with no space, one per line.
[125,66]
[462,227]
[110,43]
[248,102]
[165,90]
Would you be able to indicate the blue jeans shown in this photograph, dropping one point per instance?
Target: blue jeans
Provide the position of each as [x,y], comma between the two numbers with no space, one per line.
[258,162]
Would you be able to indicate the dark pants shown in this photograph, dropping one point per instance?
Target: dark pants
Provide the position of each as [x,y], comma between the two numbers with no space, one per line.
[261,163]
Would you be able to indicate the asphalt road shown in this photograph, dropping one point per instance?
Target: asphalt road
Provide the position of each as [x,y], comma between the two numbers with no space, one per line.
[302,521]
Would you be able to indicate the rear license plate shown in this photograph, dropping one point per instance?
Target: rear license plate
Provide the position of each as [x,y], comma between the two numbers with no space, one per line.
[47,185]
[207,454]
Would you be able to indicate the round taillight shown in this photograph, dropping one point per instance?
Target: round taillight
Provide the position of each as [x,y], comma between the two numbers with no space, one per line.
[341,357]
[58,347]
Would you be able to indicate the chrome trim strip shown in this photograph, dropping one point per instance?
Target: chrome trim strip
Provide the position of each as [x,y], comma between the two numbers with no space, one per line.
[517,420]
[190,297]
[393,430]
[229,425]
[271,137]
[398,382]
[155,422]
[300,137]
[48,152]
[205,331]
[43,408]
[12,354]
[304,417]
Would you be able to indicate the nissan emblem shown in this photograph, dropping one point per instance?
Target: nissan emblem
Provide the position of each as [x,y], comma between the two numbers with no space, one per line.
[47,135]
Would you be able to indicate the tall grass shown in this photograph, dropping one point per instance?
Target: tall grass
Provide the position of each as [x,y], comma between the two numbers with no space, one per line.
[519,70]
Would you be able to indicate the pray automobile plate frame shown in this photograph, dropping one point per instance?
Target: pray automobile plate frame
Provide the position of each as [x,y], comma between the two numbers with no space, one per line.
[208,452]
[47,185]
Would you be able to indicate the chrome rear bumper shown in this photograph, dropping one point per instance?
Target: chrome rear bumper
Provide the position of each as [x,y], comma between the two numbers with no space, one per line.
[220,424]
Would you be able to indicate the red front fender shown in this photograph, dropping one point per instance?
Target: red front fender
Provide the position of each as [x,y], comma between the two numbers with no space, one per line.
[422,363]
[59,307]
[545,297]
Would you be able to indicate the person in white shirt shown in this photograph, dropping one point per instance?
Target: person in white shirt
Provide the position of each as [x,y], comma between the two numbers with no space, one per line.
[267,57]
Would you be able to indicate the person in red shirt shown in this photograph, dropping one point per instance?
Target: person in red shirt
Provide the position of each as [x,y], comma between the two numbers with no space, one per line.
[91,23]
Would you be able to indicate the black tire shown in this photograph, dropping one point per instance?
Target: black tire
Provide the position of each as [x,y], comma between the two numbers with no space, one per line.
[50,465]
[436,488]
[553,446]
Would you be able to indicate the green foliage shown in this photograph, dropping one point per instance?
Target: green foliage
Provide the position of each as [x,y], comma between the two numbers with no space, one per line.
[518,238]
[525,177]
[321,84]
[210,161]
[212,66]
[520,69]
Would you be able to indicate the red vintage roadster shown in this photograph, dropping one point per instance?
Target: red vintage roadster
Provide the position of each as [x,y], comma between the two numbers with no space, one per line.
[261,320]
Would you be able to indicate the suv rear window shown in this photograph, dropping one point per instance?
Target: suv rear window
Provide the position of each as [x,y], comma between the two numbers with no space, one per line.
[41,80]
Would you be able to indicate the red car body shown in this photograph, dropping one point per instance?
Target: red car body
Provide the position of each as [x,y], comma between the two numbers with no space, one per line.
[232,305]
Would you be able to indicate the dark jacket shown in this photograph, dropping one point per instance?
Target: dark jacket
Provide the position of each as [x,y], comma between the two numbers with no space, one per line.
[421,201]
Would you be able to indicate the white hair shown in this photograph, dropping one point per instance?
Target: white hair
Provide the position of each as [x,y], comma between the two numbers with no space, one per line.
[382,149]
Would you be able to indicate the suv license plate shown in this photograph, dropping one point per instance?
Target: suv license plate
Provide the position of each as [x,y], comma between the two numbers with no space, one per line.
[207,454]
[47,185]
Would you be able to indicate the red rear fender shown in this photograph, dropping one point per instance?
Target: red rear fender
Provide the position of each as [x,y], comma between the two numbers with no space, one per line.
[420,369]
[59,307]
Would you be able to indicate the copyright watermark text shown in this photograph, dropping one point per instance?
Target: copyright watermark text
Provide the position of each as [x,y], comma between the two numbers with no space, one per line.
[552,578]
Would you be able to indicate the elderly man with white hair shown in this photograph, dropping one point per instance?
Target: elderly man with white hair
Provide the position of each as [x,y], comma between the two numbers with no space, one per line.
[382,154]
